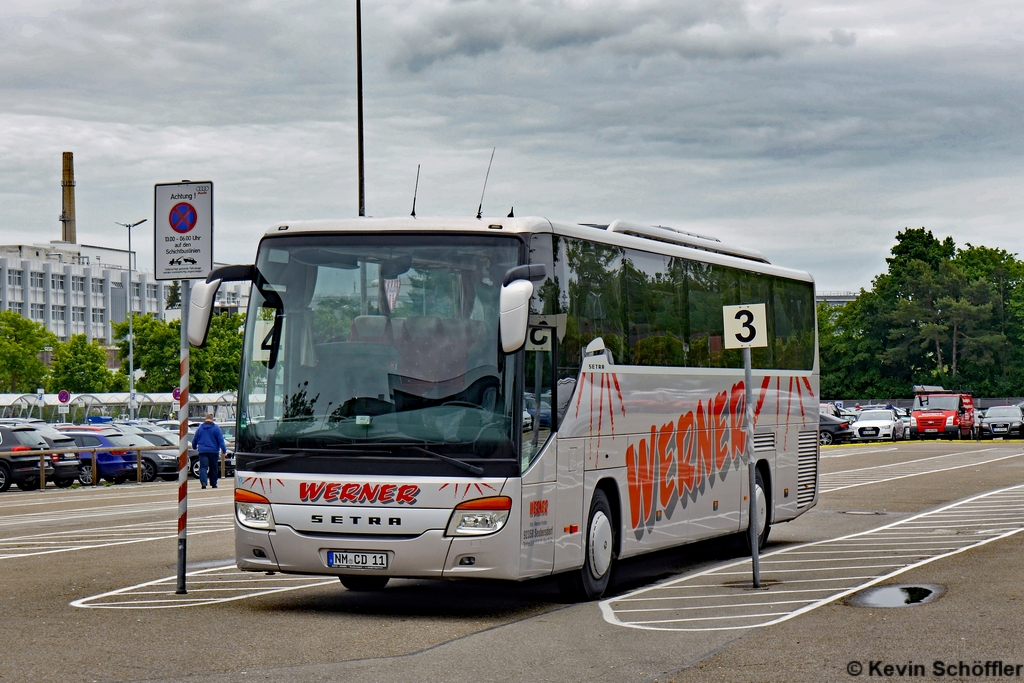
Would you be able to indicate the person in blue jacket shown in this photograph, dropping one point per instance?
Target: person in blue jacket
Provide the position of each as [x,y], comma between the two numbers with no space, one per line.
[209,441]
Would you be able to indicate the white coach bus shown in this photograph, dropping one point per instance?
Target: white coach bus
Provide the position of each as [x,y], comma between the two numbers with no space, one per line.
[508,398]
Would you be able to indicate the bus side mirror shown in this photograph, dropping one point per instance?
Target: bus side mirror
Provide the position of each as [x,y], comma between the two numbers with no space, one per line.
[514,314]
[200,310]
[200,305]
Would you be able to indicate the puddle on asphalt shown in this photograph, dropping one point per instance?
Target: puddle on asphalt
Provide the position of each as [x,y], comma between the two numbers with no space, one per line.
[902,595]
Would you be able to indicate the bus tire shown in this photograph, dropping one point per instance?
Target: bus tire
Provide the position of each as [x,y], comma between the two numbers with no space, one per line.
[590,581]
[364,583]
[762,513]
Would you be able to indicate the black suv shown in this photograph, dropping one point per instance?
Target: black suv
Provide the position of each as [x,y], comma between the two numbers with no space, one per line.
[22,470]
[65,465]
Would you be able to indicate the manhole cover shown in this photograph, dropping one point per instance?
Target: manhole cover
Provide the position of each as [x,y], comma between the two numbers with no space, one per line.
[902,595]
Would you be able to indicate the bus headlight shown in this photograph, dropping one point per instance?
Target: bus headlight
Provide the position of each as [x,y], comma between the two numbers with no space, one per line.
[253,510]
[480,516]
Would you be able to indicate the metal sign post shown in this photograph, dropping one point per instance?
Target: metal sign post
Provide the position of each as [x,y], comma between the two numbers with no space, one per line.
[746,327]
[183,251]
[186,287]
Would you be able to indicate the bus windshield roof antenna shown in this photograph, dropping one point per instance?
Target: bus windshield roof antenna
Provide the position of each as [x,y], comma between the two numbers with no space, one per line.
[480,209]
[415,190]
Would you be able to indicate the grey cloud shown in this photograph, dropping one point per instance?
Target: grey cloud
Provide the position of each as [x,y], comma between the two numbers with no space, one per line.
[843,38]
[709,30]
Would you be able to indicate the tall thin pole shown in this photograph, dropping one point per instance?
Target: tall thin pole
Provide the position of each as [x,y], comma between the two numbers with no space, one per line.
[359,106]
[131,335]
[131,332]
[748,428]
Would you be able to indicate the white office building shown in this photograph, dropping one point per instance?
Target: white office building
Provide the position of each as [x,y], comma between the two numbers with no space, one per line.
[76,289]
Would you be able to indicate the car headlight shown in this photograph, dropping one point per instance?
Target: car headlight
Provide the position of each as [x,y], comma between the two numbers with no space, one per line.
[1015,424]
[165,456]
[480,516]
[949,421]
[253,510]
[913,421]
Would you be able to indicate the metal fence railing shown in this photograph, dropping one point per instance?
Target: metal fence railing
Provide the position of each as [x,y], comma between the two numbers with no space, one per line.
[49,453]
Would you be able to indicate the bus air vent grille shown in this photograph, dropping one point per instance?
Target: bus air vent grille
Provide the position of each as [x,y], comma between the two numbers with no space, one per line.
[764,442]
[807,468]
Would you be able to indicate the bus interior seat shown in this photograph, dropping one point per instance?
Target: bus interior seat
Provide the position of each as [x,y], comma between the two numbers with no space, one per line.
[371,328]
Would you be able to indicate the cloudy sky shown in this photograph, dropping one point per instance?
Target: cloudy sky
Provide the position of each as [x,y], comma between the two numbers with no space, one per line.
[811,130]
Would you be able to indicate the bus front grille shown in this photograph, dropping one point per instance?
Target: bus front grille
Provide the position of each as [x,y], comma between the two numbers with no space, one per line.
[807,468]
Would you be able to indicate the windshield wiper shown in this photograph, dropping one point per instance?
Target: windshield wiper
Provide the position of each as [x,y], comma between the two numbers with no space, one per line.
[474,469]
[273,459]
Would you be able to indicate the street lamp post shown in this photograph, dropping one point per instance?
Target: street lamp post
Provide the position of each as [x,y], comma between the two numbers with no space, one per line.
[131,332]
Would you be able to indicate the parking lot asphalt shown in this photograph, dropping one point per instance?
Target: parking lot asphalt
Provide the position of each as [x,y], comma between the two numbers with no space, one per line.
[116,538]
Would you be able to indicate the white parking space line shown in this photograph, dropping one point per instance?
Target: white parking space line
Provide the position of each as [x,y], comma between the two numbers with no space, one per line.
[67,541]
[51,497]
[205,587]
[709,600]
[845,479]
[847,452]
[169,504]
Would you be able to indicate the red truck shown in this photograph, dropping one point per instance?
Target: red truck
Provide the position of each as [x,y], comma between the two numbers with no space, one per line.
[938,412]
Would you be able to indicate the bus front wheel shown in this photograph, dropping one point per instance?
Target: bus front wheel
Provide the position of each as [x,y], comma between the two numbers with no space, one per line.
[764,527]
[591,580]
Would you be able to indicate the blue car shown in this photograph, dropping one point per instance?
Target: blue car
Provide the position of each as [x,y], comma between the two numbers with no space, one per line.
[116,464]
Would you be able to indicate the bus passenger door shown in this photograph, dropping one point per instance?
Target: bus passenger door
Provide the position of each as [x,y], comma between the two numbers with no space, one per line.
[537,549]
[569,522]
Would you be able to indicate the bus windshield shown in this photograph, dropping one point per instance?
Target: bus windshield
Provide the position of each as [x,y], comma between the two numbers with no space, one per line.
[378,353]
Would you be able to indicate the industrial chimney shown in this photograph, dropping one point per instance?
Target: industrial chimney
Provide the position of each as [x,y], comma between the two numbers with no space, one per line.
[67,214]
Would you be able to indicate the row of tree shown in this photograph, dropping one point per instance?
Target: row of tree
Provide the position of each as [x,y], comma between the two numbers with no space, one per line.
[80,366]
[938,315]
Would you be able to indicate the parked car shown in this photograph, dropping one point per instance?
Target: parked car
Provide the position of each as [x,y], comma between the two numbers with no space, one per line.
[116,464]
[875,425]
[829,408]
[65,465]
[940,413]
[161,463]
[833,429]
[1003,421]
[173,425]
[904,415]
[22,470]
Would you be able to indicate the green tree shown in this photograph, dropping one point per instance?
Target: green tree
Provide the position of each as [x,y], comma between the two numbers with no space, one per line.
[173,299]
[214,367]
[80,366]
[157,344]
[21,342]
[938,315]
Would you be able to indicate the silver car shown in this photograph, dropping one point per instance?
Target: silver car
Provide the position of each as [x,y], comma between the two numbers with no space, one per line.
[878,425]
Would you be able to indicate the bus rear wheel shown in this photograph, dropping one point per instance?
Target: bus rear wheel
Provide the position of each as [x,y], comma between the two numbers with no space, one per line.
[364,583]
[591,580]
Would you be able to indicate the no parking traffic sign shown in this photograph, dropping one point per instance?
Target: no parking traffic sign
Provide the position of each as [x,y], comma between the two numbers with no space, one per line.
[183,230]
[63,396]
